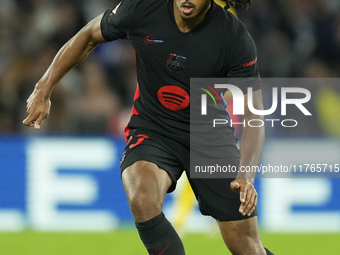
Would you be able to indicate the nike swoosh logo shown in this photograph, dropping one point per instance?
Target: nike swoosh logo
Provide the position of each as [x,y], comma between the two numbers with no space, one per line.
[150,41]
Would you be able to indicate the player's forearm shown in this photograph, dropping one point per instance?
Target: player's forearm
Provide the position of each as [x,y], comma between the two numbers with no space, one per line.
[251,148]
[252,140]
[71,54]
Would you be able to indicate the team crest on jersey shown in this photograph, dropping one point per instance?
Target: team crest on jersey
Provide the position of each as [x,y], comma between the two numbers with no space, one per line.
[176,63]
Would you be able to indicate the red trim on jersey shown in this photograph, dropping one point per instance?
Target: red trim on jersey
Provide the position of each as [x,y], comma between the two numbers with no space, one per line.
[140,139]
[129,140]
[133,112]
[136,92]
[163,250]
[135,56]
[126,133]
[253,62]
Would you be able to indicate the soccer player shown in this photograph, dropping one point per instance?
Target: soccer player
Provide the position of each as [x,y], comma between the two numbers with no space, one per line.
[173,40]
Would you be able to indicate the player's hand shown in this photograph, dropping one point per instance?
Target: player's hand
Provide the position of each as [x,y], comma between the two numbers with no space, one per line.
[248,195]
[38,108]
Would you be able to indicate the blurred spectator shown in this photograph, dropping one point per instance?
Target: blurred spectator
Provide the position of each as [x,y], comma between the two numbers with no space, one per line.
[91,110]
[295,38]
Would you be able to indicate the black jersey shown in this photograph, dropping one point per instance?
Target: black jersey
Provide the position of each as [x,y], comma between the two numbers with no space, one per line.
[167,58]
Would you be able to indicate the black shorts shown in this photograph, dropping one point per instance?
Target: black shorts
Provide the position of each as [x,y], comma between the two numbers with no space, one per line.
[214,196]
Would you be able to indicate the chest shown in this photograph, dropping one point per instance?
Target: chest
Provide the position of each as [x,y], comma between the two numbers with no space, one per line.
[167,50]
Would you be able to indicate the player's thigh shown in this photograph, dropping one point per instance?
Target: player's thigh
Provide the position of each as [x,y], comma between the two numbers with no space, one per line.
[145,182]
[242,236]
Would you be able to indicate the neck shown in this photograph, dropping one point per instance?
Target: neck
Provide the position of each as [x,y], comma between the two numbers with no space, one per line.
[187,24]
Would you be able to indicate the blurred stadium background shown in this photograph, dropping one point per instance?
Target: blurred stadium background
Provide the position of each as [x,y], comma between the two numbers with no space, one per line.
[60,189]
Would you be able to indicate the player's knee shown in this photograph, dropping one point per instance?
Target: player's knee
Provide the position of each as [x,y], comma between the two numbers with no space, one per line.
[235,249]
[142,204]
[243,244]
[144,190]
[141,200]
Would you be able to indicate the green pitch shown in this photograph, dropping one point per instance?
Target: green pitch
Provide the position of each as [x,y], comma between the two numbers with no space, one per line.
[126,242]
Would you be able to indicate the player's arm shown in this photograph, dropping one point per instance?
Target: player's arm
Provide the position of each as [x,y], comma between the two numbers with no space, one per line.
[71,54]
[251,147]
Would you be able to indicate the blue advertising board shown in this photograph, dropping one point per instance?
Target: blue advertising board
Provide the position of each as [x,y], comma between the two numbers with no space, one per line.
[74,184]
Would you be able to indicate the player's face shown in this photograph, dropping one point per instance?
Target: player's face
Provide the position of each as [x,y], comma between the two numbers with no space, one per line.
[191,9]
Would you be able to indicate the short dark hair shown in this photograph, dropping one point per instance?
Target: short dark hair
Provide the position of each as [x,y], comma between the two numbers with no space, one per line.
[246,4]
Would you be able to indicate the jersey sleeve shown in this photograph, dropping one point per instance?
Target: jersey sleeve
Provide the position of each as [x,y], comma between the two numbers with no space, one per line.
[116,23]
[243,63]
